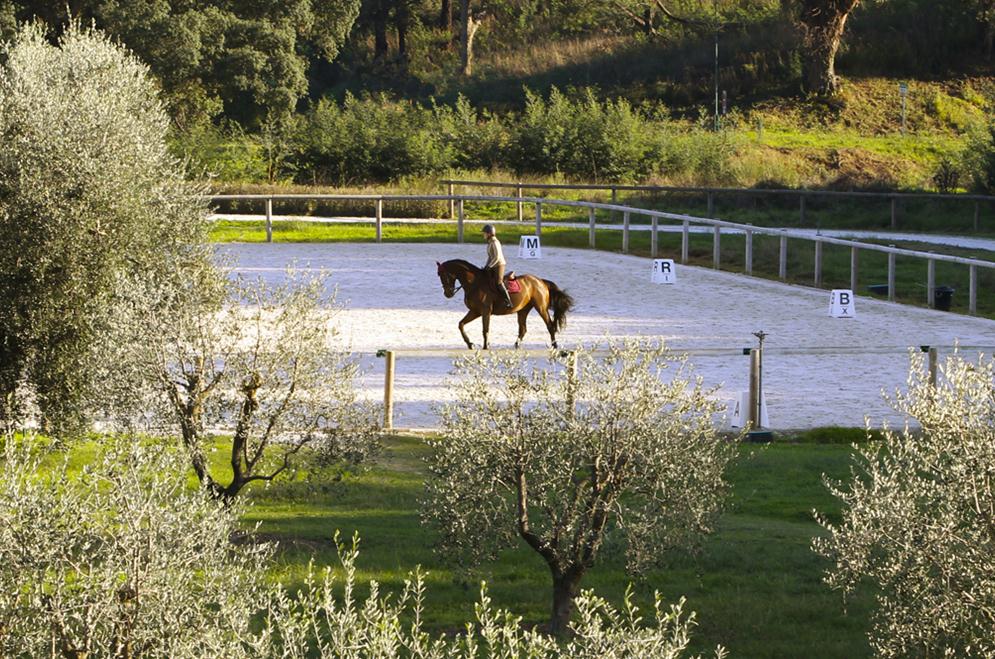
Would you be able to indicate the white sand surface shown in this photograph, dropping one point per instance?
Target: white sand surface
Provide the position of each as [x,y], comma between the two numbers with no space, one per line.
[393,300]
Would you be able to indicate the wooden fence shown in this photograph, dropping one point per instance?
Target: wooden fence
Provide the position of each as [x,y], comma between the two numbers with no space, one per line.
[895,199]
[458,204]
[752,413]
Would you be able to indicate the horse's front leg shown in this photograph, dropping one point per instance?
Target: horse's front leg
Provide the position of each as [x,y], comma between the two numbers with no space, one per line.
[469,317]
[523,315]
[486,320]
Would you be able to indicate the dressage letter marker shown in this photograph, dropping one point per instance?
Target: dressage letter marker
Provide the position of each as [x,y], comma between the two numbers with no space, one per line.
[664,272]
[841,303]
[529,248]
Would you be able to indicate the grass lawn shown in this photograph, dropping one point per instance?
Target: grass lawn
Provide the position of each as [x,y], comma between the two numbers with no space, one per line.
[756,584]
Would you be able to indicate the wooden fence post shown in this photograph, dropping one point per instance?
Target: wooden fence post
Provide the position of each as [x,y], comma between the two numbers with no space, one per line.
[972,290]
[520,204]
[459,221]
[748,257]
[782,266]
[711,204]
[452,203]
[818,263]
[379,214]
[269,219]
[931,283]
[853,269]
[894,213]
[684,241]
[716,246]
[388,391]
[590,227]
[891,276]
[625,232]
[538,218]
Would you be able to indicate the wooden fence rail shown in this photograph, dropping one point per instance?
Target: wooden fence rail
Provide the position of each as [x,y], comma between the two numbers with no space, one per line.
[686,221]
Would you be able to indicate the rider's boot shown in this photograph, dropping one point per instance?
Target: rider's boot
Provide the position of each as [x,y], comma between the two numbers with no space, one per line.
[507,298]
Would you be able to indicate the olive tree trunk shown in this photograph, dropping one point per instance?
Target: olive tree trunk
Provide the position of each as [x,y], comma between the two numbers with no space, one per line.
[566,587]
[822,23]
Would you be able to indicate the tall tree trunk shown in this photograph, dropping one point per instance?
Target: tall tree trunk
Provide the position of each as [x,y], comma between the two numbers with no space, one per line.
[566,586]
[402,19]
[468,31]
[380,47]
[822,23]
[446,16]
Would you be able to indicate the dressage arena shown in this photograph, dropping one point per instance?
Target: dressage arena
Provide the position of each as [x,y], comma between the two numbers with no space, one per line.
[818,370]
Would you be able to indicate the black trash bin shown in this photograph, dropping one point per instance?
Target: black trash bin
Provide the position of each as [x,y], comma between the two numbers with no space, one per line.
[942,297]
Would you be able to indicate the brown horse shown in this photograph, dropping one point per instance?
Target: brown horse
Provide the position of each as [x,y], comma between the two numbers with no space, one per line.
[483,299]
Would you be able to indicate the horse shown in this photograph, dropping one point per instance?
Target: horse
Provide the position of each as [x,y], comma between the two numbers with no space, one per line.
[483,299]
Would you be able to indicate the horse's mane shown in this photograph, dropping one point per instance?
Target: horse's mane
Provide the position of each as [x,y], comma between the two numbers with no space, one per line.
[466,264]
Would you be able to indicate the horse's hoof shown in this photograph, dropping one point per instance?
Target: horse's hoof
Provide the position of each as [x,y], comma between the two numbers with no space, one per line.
[554,345]
[518,344]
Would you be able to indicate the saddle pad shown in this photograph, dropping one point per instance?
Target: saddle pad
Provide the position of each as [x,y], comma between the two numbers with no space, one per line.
[513,286]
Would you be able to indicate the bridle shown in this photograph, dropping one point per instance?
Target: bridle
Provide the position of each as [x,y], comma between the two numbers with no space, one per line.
[449,281]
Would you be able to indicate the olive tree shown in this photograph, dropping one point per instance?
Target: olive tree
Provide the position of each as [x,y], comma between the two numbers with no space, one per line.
[125,560]
[918,520]
[247,367]
[562,459]
[91,203]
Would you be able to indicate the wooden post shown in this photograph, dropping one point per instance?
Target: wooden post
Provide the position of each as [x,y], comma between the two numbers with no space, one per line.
[748,257]
[782,266]
[269,219]
[590,227]
[520,204]
[931,283]
[379,214]
[818,263]
[711,204]
[752,416]
[452,203]
[894,213]
[625,232]
[614,202]
[538,218]
[891,276]
[933,361]
[716,246]
[654,236]
[388,391]
[853,269]
[459,221]
[684,242]
[972,290]
[801,209]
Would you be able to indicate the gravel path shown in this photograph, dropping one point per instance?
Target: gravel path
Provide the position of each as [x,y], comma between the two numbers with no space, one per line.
[393,300]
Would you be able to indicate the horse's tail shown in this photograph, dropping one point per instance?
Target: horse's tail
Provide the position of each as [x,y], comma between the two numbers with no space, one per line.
[560,302]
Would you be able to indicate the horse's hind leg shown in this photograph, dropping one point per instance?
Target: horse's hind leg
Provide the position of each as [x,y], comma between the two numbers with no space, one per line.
[550,325]
[523,315]
[486,320]
[469,317]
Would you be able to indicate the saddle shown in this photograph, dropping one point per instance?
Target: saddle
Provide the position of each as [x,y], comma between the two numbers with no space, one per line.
[511,283]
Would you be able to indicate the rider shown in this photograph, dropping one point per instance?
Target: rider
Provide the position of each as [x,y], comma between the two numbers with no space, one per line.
[495,261]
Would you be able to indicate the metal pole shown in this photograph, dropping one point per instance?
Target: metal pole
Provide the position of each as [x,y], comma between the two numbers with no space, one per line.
[625,232]
[590,227]
[782,268]
[753,414]
[269,219]
[379,214]
[388,391]
[716,246]
[891,276]
[684,242]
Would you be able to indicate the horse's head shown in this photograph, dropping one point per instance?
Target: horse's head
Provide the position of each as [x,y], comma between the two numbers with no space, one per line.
[448,280]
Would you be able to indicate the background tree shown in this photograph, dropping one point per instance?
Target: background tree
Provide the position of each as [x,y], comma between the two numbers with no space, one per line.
[821,23]
[919,519]
[91,203]
[637,458]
